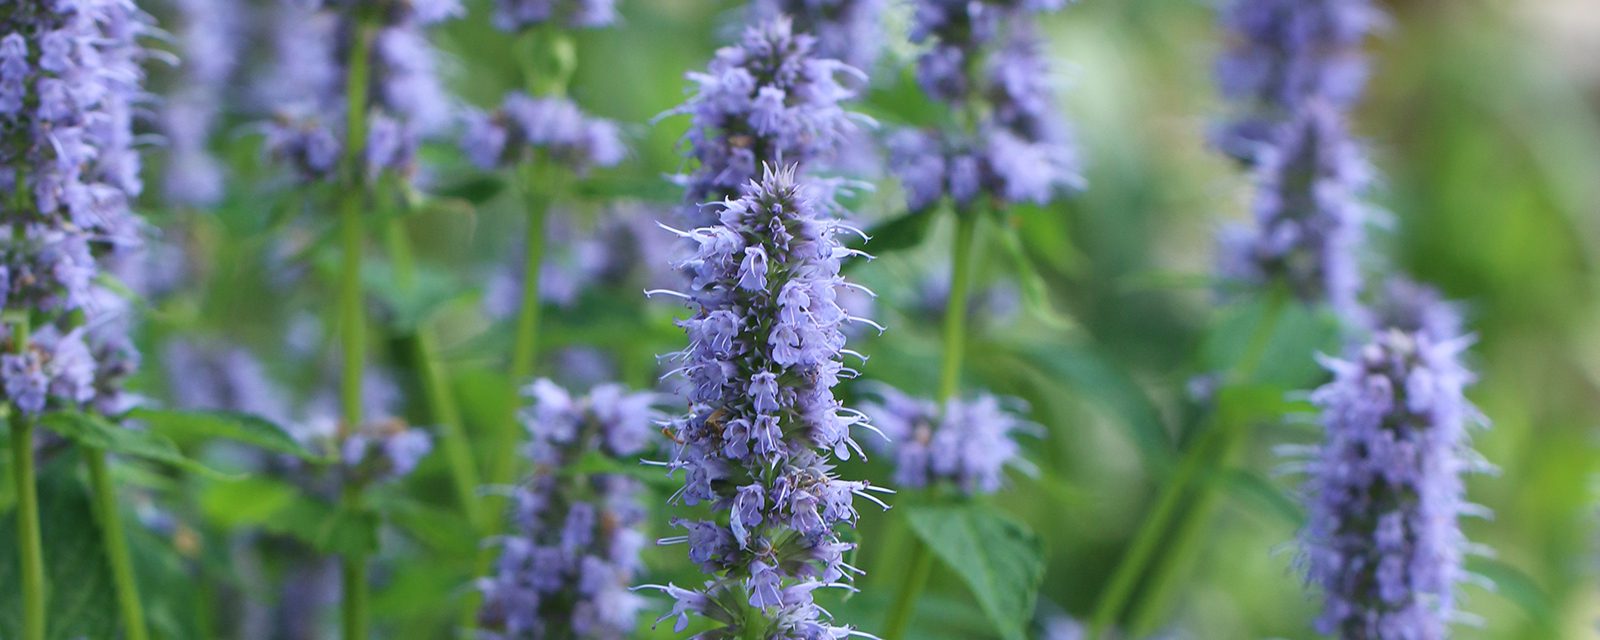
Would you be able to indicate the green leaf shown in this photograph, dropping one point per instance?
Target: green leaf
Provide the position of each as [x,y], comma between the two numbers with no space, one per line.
[476,188]
[81,596]
[999,559]
[1035,293]
[286,510]
[1102,380]
[896,234]
[193,426]
[98,433]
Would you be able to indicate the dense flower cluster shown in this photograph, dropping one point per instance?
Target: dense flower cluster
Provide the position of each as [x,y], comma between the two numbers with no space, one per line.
[968,444]
[1017,149]
[847,30]
[1309,216]
[567,570]
[1382,539]
[765,345]
[552,125]
[307,89]
[769,100]
[1281,55]
[207,33]
[516,15]
[69,79]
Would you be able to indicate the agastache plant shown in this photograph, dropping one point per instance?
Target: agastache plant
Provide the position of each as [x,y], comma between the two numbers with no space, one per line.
[765,350]
[1382,540]
[768,100]
[850,31]
[966,444]
[1291,71]
[354,90]
[70,75]
[986,63]
[567,568]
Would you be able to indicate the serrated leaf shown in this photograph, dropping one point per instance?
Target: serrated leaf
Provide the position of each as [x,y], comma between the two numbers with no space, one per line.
[75,569]
[999,559]
[188,426]
[286,510]
[98,433]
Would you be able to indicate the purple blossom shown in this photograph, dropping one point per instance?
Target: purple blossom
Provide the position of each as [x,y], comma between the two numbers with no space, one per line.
[1382,540]
[968,444]
[518,15]
[551,125]
[383,450]
[846,30]
[70,73]
[222,377]
[1282,54]
[207,32]
[765,349]
[565,570]
[769,100]
[305,88]
[1021,150]
[1309,219]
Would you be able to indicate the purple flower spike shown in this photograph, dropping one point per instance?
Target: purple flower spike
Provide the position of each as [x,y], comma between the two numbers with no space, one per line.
[765,350]
[70,77]
[968,444]
[1021,150]
[1382,540]
[769,100]
[846,30]
[566,569]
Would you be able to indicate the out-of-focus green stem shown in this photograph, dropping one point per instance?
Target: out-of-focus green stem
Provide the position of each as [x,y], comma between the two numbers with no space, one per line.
[1216,442]
[116,545]
[30,546]
[443,411]
[955,343]
[352,323]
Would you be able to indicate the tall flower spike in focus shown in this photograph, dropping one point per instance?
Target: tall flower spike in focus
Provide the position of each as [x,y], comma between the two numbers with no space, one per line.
[987,63]
[567,569]
[765,350]
[1382,540]
[769,100]
[1280,55]
[847,30]
[968,444]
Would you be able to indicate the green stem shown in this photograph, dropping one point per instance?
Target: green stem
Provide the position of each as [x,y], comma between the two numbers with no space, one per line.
[1218,439]
[351,320]
[116,544]
[955,343]
[353,568]
[443,411]
[525,349]
[30,547]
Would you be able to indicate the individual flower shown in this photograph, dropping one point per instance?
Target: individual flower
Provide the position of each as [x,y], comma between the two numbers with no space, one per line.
[965,443]
[846,30]
[769,100]
[1280,55]
[1382,540]
[984,59]
[566,569]
[1309,217]
[552,125]
[306,86]
[766,347]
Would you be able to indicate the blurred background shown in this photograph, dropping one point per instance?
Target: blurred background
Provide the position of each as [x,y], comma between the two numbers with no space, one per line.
[1483,119]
